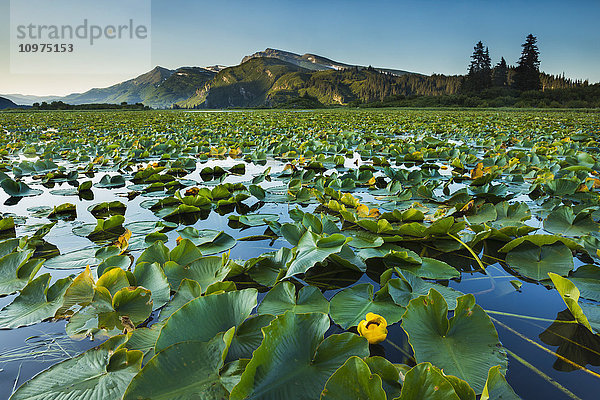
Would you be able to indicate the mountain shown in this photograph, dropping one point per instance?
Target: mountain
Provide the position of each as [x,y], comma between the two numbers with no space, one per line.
[314,62]
[269,82]
[158,88]
[29,99]
[245,85]
[6,103]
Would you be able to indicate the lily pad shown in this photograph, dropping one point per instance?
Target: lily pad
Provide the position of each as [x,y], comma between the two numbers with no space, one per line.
[208,241]
[293,361]
[351,305]
[282,297]
[36,302]
[18,188]
[353,380]
[466,345]
[97,374]
[588,316]
[185,370]
[313,248]
[16,270]
[536,262]
[201,319]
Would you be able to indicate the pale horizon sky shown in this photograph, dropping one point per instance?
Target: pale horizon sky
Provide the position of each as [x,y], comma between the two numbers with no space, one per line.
[420,36]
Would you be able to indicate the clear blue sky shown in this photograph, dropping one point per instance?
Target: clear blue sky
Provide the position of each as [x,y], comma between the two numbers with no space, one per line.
[420,36]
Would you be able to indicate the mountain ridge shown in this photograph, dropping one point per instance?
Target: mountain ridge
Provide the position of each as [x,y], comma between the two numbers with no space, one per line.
[315,62]
[7,103]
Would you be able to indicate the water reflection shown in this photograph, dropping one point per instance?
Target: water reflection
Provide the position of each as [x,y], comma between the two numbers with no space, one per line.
[575,342]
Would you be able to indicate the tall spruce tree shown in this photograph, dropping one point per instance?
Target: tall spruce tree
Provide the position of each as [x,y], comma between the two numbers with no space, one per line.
[527,73]
[480,70]
[500,74]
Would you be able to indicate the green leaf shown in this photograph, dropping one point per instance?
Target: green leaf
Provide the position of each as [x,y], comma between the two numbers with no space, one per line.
[282,297]
[431,268]
[254,219]
[270,267]
[79,293]
[110,182]
[16,270]
[75,259]
[208,241]
[109,315]
[351,305]
[563,221]
[570,295]
[496,386]
[153,278]
[410,286]
[540,240]
[390,375]
[426,382]
[188,290]
[466,346]
[587,280]
[18,189]
[97,374]
[105,229]
[248,337]
[353,380]
[313,248]
[536,262]
[205,270]
[293,361]
[185,370]
[107,209]
[36,302]
[202,318]
[7,225]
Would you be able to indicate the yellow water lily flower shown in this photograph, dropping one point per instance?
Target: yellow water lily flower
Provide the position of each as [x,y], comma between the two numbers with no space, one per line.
[373,328]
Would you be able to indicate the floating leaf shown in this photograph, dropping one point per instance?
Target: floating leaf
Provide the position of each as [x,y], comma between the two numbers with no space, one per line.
[185,370]
[36,302]
[293,361]
[353,380]
[283,297]
[570,294]
[563,221]
[536,262]
[351,305]
[496,386]
[313,248]
[208,241]
[466,345]
[16,270]
[204,317]
[18,189]
[97,374]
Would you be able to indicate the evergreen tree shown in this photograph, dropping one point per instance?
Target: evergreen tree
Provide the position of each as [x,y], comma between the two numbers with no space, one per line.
[480,70]
[500,74]
[527,73]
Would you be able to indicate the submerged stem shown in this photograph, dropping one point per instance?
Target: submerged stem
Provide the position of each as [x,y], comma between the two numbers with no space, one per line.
[544,376]
[563,358]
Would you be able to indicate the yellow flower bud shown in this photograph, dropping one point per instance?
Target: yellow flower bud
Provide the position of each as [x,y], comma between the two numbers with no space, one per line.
[373,328]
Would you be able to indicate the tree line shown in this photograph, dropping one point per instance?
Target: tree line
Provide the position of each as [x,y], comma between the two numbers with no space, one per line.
[523,77]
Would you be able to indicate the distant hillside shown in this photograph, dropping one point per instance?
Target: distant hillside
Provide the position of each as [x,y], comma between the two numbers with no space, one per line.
[245,85]
[159,88]
[271,81]
[6,103]
[28,100]
[314,62]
